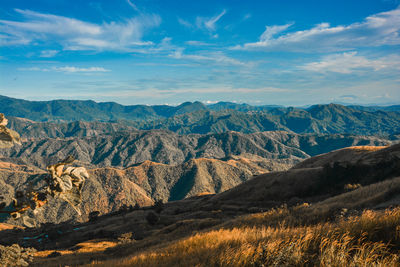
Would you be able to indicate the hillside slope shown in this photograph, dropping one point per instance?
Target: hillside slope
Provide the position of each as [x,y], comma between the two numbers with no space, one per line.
[110,188]
[128,148]
[320,177]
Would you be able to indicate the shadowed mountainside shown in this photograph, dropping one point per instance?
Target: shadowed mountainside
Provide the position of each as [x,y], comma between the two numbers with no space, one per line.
[324,176]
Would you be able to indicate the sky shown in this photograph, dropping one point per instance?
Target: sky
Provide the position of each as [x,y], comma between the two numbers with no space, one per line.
[271,52]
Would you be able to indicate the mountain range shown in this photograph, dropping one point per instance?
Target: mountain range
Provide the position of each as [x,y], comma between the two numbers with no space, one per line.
[199,118]
[127,148]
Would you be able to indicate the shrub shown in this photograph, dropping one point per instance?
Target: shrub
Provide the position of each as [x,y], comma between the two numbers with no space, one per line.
[152,218]
[15,255]
[125,238]
[124,208]
[350,187]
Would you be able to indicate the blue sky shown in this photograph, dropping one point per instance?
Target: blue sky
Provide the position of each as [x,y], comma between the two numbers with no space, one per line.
[167,52]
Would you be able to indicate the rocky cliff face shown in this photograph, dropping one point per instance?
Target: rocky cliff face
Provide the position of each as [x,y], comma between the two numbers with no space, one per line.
[7,137]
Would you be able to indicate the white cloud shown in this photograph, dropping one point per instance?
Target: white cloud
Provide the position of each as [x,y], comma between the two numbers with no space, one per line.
[68,69]
[209,23]
[49,53]
[76,69]
[270,31]
[196,43]
[185,23]
[74,34]
[32,69]
[132,5]
[376,30]
[165,46]
[350,62]
[203,23]
[348,97]
[217,57]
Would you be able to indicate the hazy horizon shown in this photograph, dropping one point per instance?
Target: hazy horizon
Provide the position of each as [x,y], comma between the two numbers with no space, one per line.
[156,52]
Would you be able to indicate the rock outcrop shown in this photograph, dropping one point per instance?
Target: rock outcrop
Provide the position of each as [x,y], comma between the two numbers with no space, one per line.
[7,137]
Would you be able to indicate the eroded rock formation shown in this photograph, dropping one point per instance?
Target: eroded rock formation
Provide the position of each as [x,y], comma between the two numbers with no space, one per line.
[7,137]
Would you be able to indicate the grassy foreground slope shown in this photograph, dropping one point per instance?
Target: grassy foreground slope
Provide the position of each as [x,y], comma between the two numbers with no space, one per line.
[282,237]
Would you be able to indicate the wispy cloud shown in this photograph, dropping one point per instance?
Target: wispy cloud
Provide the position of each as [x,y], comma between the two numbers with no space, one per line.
[76,69]
[185,23]
[197,43]
[67,69]
[350,62]
[132,5]
[74,34]
[208,24]
[49,53]
[376,30]
[162,48]
[32,69]
[246,17]
[216,57]
[348,97]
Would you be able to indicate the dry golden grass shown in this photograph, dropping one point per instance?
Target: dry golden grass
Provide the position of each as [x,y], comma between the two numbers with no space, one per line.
[204,194]
[6,226]
[277,238]
[84,247]
[90,246]
[367,148]
[46,253]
